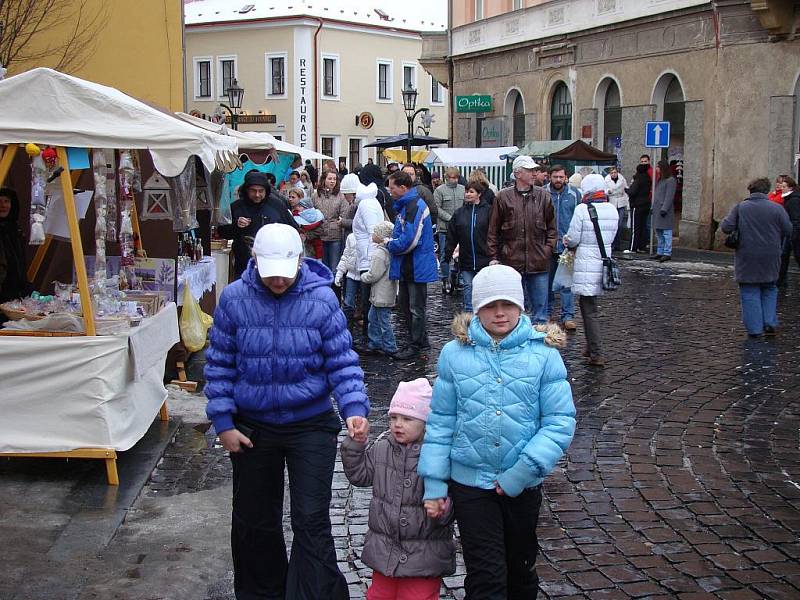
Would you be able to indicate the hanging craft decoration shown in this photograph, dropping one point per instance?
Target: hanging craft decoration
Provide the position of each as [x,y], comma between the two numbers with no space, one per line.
[157,202]
[203,194]
[38,198]
[99,170]
[184,198]
[126,242]
[112,210]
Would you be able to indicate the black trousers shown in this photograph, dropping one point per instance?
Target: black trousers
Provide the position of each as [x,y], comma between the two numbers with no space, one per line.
[413,300]
[261,569]
[591,325]
[639,239]
[365,289]
[498,537]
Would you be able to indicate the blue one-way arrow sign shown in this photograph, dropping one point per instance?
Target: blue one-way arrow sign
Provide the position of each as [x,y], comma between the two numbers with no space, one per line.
[656,134]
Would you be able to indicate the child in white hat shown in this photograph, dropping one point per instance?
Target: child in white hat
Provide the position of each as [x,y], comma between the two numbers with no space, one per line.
[501,417]
[408,550]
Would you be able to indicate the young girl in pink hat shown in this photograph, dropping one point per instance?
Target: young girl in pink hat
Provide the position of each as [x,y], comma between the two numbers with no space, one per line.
[408,551]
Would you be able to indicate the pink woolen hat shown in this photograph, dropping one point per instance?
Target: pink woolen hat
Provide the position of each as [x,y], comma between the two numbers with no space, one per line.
[412,399]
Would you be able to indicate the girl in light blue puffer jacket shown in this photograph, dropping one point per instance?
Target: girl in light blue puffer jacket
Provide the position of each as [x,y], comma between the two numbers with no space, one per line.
[501,417]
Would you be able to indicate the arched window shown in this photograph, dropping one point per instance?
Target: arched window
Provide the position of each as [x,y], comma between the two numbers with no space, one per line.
[561,114]
[518,127]
[612,118]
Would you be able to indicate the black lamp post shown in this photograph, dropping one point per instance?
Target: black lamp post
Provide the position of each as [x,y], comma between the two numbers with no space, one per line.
[235,95]
[409,104]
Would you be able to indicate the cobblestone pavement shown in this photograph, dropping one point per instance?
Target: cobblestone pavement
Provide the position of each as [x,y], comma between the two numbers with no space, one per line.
[683,480]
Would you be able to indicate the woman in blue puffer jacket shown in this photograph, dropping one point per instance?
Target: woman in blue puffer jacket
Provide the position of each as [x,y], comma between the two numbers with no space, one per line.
[278,349]
[501,418]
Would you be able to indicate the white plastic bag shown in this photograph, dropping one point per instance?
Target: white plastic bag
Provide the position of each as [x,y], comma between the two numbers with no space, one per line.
[564,272]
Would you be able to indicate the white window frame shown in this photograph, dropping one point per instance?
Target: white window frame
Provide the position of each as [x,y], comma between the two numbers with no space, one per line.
[220,79]
[336,145]
[390,63]
[414,78]
[337,79]
[196,60]
[268,56]
[362,153]
[478,10]
[518,4]
[441,92]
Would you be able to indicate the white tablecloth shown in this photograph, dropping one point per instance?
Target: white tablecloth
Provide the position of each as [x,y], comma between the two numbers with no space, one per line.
[64,393]
[201,277]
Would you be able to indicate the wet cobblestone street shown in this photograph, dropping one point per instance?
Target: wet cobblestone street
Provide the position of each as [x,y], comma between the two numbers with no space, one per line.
[682,479]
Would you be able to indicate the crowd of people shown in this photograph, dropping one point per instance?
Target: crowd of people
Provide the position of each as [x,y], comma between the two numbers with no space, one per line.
[475,447]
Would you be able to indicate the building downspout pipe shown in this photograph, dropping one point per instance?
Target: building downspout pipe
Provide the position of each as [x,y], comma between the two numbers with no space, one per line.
[316,82]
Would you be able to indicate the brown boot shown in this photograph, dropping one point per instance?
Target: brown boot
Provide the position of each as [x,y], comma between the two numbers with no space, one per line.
[569,325]
[597,361]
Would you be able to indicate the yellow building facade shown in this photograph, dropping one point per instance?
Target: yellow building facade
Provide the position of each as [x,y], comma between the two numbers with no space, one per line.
[136,47]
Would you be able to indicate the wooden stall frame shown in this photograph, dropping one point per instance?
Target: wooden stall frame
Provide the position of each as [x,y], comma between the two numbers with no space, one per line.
[109,455]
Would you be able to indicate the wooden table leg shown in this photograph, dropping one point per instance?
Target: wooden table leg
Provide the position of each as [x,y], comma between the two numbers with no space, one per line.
[164,413]
[111,470]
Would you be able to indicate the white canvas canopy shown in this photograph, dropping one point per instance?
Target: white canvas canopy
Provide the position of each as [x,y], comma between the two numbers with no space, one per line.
[469,157]
[253,140]
[47,107]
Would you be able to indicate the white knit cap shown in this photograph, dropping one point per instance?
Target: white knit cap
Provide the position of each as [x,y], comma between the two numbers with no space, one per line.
[349,184]
[593,183]
[497,282]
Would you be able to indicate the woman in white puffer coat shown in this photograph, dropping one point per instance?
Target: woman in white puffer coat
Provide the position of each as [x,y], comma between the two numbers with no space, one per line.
[368,214]
[587,279]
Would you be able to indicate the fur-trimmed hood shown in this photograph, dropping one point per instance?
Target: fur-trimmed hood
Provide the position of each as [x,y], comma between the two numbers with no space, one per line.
[551,333]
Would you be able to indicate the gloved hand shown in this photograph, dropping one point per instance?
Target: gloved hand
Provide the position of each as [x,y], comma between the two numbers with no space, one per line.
[337,281]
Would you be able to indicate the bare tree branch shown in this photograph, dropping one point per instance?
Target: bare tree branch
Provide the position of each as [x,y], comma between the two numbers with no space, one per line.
[24,23]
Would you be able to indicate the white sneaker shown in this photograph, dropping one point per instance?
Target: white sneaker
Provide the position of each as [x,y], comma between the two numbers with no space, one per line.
[627,251]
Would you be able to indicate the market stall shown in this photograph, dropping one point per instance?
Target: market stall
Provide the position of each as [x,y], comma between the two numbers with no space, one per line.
[466,159]
[75,393]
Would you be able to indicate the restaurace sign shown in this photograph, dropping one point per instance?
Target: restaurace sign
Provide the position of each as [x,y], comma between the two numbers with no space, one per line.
[473,103]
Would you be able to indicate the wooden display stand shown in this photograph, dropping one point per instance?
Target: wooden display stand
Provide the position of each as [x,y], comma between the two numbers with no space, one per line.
[109,455]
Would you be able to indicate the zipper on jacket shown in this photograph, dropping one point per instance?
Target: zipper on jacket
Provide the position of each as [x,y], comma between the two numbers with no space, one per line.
[472,240]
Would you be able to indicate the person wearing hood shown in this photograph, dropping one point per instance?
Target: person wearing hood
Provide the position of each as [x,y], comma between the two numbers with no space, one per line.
[255,208]
[278,351]
[639,200]
[369,213]
[468,230]
[349,187]
[448,198]
[13,274]
[372,173]
[587,277]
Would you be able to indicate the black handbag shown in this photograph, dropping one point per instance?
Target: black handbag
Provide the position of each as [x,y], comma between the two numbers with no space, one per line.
[732,239]
[611,276]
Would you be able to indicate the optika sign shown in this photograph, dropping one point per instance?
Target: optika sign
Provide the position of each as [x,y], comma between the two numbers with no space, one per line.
[473,104]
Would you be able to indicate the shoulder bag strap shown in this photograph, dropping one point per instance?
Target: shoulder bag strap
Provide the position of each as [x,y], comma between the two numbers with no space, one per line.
[597,233]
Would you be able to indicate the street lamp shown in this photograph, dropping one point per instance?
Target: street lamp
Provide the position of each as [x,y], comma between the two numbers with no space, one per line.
[235,95]
[409,104]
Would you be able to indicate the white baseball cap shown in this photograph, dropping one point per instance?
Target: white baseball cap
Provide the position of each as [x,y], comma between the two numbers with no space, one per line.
[278,249]
[523,162]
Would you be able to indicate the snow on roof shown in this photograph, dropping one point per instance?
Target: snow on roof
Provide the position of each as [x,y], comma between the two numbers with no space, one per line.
[410,15]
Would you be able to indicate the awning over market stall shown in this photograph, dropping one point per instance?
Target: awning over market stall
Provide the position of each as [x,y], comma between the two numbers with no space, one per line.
[254,140]
[543,148]
[580,151]
[417,156]
[47,107]
[397,141]
[477,157]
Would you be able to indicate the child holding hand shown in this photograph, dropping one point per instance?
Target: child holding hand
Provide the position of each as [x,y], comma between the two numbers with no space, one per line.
[408,551]
[501,417]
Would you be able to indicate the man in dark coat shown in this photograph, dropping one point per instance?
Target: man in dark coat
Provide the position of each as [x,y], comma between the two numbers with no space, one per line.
[255,208]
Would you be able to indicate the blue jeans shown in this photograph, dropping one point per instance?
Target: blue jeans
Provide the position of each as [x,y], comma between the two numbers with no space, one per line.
[535,287]
[664,237]
[567,298]
[379,329]
[331,253]
[759,306]
[444,266]
[467,277]
[349,296]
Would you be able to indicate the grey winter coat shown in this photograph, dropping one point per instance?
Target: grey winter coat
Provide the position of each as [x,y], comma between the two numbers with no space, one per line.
[663,209]
[383,293]
[402,540]
[762,227]
[448,200]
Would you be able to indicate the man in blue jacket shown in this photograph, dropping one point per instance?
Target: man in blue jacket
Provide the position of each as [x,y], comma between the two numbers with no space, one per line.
[564,198]
[414,263]
[279,349]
